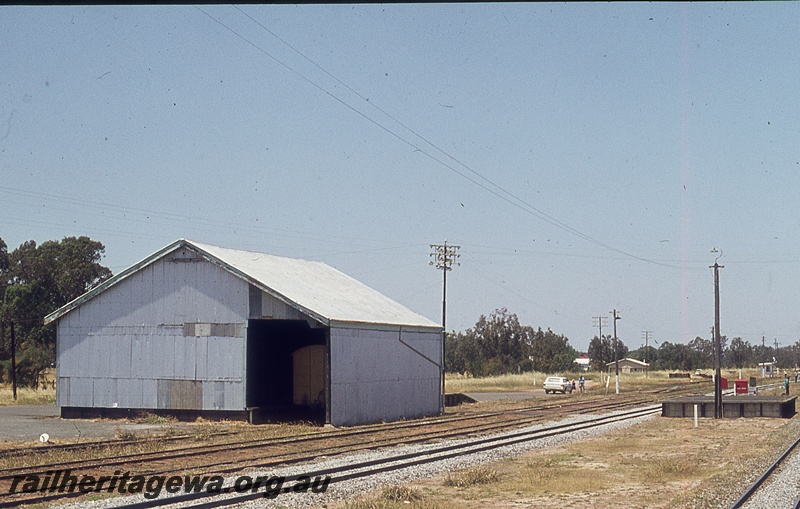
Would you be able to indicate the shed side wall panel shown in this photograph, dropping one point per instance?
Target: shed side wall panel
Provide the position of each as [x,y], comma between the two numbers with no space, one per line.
[115,349]
[383,375]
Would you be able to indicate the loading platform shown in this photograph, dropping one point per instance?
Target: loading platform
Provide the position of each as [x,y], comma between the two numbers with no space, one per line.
[732,406]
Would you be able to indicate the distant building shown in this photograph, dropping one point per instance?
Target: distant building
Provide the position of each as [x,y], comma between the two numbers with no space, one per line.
[768,369]
[583,362]
[628,365]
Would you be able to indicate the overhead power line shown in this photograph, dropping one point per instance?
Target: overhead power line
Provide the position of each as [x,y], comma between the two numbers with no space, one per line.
[495,189]
[142,215]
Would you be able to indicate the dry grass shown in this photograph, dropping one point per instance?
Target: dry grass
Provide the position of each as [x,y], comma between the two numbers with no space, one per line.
[400,494]
[471,477]
[26,396]
[596,380]
[518,382]
[658,464]
[380,503]
[394,497]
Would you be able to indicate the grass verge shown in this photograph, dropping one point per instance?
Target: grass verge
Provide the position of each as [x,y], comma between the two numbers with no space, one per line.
[26,396]
[662,463]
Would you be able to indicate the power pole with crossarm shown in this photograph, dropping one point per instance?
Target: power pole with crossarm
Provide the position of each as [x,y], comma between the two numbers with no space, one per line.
[646,336]
[444,258]
[717,352]
[616,355]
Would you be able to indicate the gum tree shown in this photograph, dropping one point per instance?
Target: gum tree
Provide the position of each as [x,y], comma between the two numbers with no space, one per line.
[37,280]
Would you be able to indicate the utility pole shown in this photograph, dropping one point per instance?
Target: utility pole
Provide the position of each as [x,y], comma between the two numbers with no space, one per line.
[13,363]
[646,335]
[717,353]
[616,356]
[444,258]
[713,348]
[776,355]
[599,321]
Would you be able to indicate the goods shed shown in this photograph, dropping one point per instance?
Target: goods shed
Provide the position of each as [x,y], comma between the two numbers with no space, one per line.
[206,330]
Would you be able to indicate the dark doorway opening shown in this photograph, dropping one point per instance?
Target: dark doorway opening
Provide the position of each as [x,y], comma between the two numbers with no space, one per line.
[282,355]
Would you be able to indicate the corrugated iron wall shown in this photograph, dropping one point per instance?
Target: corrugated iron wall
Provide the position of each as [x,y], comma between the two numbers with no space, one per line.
[383,375]
[171,336]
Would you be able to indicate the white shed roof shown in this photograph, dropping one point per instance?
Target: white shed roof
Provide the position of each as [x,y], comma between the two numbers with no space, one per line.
[630,361]
[314,288]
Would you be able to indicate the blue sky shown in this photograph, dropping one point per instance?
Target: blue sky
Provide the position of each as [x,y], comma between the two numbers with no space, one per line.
[585,156]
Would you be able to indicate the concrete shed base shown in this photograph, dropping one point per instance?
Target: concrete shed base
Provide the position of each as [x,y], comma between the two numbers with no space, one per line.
[255,415]
[732,406]
[457,398]
[136,413]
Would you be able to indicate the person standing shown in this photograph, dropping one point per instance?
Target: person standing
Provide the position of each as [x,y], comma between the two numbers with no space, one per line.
[581,383]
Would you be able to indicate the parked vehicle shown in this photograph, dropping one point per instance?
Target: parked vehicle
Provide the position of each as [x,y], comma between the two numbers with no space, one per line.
[557,384]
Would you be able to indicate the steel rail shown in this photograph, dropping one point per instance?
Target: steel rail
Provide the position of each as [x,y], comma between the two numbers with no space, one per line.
[758,482]
[288,459]
[398,462]
[202,449]
[100,444]
[183,452]
[586,406]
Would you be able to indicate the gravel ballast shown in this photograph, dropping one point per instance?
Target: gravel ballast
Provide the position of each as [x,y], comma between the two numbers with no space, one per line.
[356,487]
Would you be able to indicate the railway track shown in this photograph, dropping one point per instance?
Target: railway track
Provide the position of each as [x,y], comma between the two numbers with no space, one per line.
[226,457]
[21,454]
[185,452]
[99,444]
[750,495]
[233,457]
[338,474]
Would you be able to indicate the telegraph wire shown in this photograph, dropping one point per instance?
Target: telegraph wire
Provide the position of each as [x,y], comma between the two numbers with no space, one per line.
[367,118]
[555,222]
[147,216]
[180,219]
[507,196]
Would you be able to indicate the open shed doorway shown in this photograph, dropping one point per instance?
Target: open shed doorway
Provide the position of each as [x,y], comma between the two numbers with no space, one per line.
[286,370]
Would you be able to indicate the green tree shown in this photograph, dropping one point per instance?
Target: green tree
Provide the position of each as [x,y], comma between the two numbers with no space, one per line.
[675,356]
[37,281]
[793,355]
[460,353]
[499,344]
[600,352]
[740,353]
[503,343]
[3,267]
[763,353]
[702,353]
[551,352]
[622,349]
[65,269]
[647,354]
